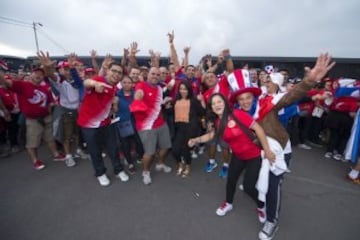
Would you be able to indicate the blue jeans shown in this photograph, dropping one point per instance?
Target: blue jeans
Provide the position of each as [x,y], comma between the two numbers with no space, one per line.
[106,136]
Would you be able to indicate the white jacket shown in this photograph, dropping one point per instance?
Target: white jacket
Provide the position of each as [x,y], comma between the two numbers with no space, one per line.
[277,168]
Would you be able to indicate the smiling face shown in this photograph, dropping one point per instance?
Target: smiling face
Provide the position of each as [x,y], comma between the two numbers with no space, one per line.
[126,83]
[217,105]
[114,74]
[245,101]
[184,92]
[153,76]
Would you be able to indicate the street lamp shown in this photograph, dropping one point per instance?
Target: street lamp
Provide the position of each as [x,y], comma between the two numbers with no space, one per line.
[35,33]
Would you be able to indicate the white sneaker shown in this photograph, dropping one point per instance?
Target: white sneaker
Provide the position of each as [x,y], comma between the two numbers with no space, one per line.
[268,231]
[201,150]
[146,177]
[69,161]
[103,180]
[223,209]
[304,146]
[123,176]
[193,154]
[328,154]
[162,167]
[80,154]
[337,157]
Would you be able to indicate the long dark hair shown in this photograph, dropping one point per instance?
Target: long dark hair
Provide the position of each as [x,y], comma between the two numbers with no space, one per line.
[188,88]
[211,116]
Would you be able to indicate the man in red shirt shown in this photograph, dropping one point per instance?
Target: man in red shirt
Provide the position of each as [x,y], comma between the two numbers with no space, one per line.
[150,124]
[95,122]
[34,100]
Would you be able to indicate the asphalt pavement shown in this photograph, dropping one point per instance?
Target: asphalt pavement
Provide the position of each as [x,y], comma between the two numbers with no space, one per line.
[59,203]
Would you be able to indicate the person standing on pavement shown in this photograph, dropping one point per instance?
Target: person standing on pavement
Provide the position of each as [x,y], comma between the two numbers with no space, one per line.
[95,122]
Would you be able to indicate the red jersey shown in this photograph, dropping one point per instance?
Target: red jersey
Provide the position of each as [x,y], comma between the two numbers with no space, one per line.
[238,141]
[221,87]
[95,108]
[147,112]
[10,100]
[33,100]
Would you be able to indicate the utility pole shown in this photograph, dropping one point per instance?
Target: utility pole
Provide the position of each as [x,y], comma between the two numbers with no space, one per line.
[35,33]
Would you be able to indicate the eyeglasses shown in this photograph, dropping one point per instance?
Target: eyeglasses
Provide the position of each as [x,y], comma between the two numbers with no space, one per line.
[116,71]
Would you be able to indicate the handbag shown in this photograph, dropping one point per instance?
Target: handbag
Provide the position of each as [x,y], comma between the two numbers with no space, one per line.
[247,131]
[125,128]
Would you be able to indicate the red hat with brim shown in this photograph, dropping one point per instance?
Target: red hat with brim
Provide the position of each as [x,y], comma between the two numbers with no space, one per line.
[254,90]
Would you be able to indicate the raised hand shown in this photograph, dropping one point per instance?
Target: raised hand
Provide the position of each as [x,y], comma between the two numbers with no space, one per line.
[187,50]
[134,48]
[126,52]
[322,66]
[171,36]
[100,87]
[107,60]
[45,59]
[93,53]
[72,58]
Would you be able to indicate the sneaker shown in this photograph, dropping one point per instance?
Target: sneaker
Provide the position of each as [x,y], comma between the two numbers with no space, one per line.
[328,155]
[139,161]
[103,155]
[304,146]
[223,209]
[131,169]
[146,177]
[103,180]
[337,157]
[15,149]
[162,167]
[81,154]
[223,171]
[193,154]
[38,165]
[123,176]
[268,231]
[261,214]
[241,187]
[59,157]
[316,143]
[210,167]
[201,150]
[69,161]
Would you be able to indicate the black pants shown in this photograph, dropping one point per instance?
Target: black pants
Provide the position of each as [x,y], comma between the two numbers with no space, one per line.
[236,167]
[180,146]
[103,136]
[127,143]
[273,196]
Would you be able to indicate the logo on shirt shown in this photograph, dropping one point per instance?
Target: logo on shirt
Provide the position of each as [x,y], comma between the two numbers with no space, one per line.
[39,98]
[231,124]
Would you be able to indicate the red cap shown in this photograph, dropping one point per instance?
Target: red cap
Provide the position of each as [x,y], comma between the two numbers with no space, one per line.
[89,70]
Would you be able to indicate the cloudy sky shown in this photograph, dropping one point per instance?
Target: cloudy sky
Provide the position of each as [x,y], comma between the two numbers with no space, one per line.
[248,28]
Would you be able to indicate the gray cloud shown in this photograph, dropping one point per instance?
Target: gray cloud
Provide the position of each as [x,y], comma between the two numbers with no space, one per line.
[250,28]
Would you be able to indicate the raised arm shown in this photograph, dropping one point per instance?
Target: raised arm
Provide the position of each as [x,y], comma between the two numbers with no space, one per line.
[49,66]
[133,51]
[312,76]
[94,63]
[186,56]
[173,55]
[105,64]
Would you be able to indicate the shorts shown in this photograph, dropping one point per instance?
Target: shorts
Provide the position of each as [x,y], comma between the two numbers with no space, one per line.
[151,139]
[37,129]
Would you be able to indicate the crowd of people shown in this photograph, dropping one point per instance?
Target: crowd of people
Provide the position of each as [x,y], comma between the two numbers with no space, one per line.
[135,114]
